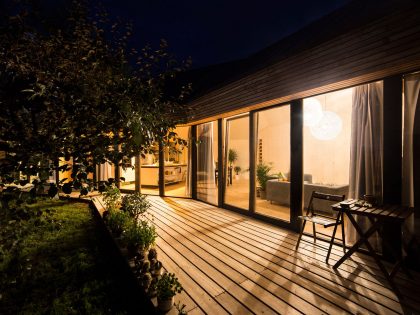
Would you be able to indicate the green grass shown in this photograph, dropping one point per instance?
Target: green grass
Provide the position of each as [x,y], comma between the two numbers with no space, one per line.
[56,263]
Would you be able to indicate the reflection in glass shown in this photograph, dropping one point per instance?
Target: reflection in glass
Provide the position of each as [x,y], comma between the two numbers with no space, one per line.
[128,172]
[273,162]
[237,162]
[176,157]
[207,158]
[326,149]
[149,172]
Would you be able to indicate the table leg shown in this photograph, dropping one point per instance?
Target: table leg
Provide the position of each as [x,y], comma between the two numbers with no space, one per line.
[333,236]
[363,239]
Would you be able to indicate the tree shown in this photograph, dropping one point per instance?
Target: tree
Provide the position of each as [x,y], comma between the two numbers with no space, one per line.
[78,91]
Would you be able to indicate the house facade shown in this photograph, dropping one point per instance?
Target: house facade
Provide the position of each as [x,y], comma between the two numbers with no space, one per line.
[332,108]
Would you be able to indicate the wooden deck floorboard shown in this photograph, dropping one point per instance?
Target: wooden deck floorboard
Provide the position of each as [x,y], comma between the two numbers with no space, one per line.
[230,263]
[257,270]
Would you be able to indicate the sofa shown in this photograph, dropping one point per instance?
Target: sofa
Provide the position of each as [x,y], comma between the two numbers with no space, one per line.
[279,192]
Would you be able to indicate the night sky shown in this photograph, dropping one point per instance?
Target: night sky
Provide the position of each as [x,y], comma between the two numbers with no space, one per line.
[217,31]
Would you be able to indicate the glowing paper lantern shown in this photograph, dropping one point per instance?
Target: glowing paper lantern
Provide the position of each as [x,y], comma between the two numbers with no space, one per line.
[328,127]
[312,112]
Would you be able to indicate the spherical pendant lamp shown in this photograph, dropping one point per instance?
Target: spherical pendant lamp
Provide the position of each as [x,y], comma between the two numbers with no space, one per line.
[312,112]
[328,128]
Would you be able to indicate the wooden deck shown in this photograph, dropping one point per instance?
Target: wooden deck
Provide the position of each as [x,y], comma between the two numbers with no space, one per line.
[229,263]
[233,264]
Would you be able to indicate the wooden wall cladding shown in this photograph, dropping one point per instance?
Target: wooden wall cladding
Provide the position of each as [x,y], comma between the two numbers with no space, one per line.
[382,48]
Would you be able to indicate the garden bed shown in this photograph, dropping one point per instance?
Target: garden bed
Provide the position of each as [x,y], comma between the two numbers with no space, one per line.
[55,259]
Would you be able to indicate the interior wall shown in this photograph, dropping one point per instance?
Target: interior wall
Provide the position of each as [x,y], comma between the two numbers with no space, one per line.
[239,141]
[274,131]
[328,161]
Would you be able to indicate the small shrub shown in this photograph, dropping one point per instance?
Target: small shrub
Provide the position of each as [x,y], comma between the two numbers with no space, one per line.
[112,197]
[117,221]
[136,205]
[140,235]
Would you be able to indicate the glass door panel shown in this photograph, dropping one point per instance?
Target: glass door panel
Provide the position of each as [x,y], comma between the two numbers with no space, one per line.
[327,133]
[237,162]
[149,172]
[128,172]
[176,157]
[273,162]
[207,160]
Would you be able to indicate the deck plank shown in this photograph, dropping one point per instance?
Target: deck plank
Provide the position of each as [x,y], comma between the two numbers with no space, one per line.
[232,264]
[266,258]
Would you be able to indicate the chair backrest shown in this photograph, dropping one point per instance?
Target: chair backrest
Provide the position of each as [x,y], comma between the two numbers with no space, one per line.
[320,203]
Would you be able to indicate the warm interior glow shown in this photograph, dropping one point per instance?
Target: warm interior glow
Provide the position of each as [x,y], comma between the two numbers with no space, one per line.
[312,112]
[328,128]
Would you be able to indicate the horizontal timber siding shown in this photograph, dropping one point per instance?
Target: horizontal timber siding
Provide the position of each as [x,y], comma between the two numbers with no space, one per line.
[385,47]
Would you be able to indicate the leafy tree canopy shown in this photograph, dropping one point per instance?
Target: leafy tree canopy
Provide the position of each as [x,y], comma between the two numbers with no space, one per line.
[73,88]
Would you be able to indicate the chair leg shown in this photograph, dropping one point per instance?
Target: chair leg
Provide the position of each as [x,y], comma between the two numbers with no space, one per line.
[314,230]
[300,235]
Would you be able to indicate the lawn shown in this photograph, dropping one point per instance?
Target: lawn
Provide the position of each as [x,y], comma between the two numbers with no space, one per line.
[53,260]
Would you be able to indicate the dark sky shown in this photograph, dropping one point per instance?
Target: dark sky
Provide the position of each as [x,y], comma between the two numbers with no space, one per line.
[216,31]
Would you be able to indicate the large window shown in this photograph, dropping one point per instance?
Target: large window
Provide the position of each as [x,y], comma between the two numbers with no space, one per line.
[343,144]
[326,147]
[207,162]
[273,162]
[237,162]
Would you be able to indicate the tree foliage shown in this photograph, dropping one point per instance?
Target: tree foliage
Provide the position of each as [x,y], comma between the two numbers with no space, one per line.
[75,89]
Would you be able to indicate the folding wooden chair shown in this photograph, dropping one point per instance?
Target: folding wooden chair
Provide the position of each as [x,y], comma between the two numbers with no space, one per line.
[320,214]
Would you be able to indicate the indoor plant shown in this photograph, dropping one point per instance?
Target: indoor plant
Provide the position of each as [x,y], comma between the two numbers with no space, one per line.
[166,288]
[232,156]
[262,177]
[237,169]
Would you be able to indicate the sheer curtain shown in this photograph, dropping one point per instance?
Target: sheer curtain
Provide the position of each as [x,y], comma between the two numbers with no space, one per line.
[411,182]
[105,171]
[206,166]
[366,149]
[188,179]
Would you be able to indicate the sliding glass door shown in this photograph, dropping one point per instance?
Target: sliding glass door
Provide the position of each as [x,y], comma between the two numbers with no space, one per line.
[177,166]
[273,162]
[207,162]
[236,164]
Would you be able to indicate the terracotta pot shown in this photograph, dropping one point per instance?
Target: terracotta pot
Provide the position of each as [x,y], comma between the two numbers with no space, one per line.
[165,305]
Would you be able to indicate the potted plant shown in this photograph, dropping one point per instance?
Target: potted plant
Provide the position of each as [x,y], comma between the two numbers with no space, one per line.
[232,158]
[262,177]
[157,271]
[111,197]
[166,288]
[136,205]
[117,221]
[139,236]
[237,170]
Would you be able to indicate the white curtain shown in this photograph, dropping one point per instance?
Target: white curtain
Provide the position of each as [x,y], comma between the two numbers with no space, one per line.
[411,96]
[366,150]
[189,165]
[411,101]
[105,171]
[206,166]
